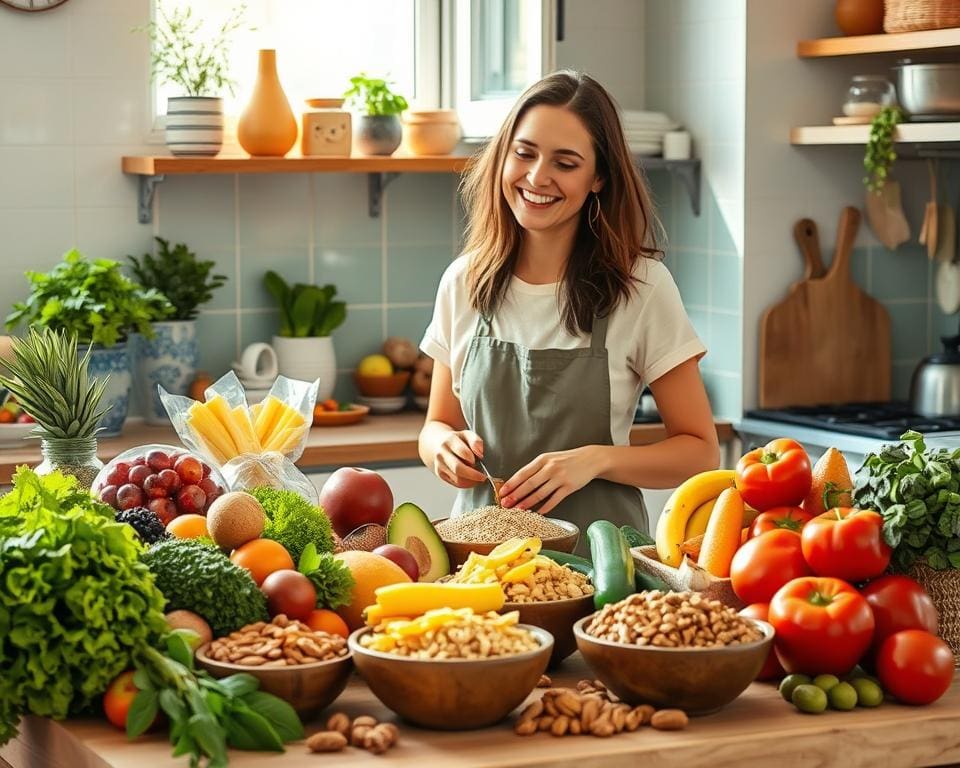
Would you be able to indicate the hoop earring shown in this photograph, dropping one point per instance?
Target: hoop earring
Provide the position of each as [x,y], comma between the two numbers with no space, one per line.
[593,215]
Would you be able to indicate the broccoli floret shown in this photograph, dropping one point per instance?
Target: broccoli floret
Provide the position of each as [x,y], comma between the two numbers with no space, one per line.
[198,577]
[293,521]
[145,524]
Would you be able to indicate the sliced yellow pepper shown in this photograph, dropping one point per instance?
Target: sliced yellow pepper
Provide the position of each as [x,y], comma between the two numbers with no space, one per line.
[418,598]
[511,549]
[520,572]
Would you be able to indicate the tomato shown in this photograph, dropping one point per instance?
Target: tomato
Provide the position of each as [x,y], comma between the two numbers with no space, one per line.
[790,518]
[323,620]
[898,603]
[846,544]
[915,666]
[262,557]
[764,564]
[289,592]
[118,697]
[777,475]
[823,625]
[772,669]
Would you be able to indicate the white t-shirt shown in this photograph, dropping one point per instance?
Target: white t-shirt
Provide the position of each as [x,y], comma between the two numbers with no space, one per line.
[647,336]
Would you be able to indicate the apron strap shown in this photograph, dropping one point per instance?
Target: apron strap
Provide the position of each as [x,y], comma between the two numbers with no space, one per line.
[484,325]
[598,338]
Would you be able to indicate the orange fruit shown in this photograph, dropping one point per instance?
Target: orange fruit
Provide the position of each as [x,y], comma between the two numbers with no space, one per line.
[262,557]
[722,537]
[369,571]
[6,416]
[831,478]
[324,620]
[188,527]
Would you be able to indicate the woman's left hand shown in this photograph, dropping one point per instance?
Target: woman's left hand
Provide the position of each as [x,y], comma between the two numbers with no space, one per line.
[550,478]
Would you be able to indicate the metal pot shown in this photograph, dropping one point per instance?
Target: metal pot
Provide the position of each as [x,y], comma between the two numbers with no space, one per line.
[935,387]
[929,89]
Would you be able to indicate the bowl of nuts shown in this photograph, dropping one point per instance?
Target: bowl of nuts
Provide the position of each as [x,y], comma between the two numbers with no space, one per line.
[307,669]
[674,649]
[452,670]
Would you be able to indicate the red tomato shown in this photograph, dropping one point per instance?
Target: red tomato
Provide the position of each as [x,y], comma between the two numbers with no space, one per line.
[777,475]
[823,625]
[846,544]
[915,666]
[764,564]
[899,603]
[772,669]
[790,518]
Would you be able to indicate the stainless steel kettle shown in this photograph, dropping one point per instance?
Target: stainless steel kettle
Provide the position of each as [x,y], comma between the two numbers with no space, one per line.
[935,387]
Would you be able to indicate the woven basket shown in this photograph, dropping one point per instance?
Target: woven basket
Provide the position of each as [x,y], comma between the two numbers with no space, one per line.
[944,589]
[915,15]
[689,577]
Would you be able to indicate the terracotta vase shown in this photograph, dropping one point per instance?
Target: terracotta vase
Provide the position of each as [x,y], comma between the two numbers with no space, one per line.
[859,17]
[267,127]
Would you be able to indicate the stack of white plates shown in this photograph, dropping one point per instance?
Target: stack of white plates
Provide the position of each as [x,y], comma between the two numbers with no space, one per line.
[644,131]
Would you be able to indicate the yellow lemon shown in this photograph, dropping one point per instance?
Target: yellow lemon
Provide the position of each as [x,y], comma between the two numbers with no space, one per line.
[375,365]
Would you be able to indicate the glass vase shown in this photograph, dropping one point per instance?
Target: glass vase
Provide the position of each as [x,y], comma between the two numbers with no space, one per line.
[70,456]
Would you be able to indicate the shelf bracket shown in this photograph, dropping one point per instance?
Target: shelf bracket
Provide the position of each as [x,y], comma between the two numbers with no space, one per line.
[377,183]
[688,171]
[148,185]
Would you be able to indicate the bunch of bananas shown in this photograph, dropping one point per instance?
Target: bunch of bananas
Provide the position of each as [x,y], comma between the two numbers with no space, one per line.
[687,512]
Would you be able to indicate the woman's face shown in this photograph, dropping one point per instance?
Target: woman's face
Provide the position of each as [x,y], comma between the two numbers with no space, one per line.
[550,168]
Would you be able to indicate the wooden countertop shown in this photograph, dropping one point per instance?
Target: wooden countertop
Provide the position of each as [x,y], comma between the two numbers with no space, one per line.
[758,729]
[374,440]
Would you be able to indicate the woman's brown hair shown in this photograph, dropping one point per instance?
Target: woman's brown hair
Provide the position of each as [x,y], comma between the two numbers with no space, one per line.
[598,273]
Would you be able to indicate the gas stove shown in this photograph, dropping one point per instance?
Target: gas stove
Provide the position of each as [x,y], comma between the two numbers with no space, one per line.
[880,420]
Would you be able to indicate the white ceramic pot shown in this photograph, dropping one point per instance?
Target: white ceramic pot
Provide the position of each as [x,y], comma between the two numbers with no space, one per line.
[168,359]
[194,125]
[307,359]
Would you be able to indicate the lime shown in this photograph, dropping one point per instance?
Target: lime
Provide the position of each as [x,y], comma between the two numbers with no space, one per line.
[842,696]
[790,682]
[809,698]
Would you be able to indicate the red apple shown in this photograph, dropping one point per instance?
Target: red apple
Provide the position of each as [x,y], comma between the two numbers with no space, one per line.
[402,557]
[352,497]
[118,697]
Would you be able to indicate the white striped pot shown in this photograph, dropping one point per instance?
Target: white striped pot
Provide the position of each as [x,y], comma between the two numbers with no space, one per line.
[194,125]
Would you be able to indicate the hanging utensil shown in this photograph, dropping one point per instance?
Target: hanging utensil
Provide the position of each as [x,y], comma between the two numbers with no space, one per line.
[886,216]
[946,232]
[928,231]
[947,283]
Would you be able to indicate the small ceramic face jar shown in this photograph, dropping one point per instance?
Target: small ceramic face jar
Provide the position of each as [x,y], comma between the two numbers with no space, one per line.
[326,128]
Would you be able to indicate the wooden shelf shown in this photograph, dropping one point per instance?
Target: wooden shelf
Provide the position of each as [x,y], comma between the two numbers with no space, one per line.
[164,164]
[918,133]
[902,42]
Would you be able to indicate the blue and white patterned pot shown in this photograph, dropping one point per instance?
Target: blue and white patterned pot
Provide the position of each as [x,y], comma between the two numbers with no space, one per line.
[168,359]
[113,362]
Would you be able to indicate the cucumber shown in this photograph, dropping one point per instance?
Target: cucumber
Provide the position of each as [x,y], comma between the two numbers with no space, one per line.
[636,537]
[613,574]
[574,562]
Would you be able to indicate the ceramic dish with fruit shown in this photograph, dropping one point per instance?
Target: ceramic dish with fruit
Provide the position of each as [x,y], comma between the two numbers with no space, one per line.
[15,423]
[331,413]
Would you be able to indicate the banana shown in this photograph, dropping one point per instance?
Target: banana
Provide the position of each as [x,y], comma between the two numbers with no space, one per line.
[681,505]
[697,524]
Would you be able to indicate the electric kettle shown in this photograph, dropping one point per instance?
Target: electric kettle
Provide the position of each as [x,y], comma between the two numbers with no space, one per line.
[935,386]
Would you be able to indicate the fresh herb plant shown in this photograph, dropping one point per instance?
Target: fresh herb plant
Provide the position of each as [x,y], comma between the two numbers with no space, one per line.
[880,153]
[179,275]
[90,299]
[305,310]
[183,56]
[372,96]
[917,491]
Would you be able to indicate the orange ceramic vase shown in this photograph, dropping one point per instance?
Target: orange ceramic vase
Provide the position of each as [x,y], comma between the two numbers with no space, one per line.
[267,127]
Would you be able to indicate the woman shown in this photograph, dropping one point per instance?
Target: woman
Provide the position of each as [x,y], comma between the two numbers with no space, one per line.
[547,328]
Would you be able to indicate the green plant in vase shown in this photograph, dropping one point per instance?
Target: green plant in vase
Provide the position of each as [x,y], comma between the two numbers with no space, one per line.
[379,131]
[179,275]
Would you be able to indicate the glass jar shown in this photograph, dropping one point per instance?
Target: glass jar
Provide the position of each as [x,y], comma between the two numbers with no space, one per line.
[867,95]
[71,456]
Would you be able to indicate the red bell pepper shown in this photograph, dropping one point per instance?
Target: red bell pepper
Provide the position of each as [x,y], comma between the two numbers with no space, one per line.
[777,475]
[790,518]
[846,543]
[823,626]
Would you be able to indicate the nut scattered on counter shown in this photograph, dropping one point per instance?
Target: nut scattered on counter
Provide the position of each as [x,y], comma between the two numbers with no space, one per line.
[544,682]
[672,620]
[592,709]
[278,643]
[363,732]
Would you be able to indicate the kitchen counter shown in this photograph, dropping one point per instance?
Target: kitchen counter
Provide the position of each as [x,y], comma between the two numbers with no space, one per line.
[758,729]
[376,439]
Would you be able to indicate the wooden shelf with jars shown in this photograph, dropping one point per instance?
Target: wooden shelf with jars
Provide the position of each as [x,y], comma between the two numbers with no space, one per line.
[902,42]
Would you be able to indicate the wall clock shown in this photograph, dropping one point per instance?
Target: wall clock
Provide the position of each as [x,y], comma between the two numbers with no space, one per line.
[32,5]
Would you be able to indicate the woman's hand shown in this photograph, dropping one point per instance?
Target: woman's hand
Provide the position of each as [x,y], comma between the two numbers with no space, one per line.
[454,457]
[550,478]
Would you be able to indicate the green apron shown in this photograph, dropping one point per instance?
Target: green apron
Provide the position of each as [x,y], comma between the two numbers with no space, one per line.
[525,402]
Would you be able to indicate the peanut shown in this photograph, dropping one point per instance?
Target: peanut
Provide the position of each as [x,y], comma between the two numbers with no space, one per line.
[544,682]
[669,720]
[378,739]
[560,725]
[339,722]
[526,727]
[326,741]
[358,733]
[364,720]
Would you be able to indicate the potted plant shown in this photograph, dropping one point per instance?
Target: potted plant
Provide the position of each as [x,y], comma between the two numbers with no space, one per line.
[94,301]
[378,131]
[199,66]
[308,315]
[170,356]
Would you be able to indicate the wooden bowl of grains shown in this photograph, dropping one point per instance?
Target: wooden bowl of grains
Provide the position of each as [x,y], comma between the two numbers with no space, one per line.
[482,530]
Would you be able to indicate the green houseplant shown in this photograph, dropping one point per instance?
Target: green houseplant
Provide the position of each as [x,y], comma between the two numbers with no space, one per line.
[308,315]
[94,301]
[378,131]
[169,358]
[880,153]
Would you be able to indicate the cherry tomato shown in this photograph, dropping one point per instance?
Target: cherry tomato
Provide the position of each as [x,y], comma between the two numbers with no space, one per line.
[790,518]
[847,544]
[777,475]
[915,666]
[764,564]
[772,668]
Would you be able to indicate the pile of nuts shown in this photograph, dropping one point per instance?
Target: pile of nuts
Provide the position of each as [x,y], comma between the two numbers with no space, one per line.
[363,732]
[278,643]
[594,710]
[672,620]
[550,581]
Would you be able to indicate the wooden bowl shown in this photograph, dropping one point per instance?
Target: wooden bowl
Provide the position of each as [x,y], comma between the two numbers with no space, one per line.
[382,386]
[452,694]
[459,551]
[308,688]
[351,415]
[696,680]
[558,618]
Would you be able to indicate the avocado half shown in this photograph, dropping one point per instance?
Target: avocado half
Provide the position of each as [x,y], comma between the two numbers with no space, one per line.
[410,528]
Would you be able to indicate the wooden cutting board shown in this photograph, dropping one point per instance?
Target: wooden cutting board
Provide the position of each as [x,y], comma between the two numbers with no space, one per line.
[828,341]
